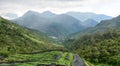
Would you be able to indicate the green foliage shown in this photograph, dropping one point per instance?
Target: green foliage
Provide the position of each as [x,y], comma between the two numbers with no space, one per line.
[66,59]
[98,48]
[39,58]
[4,53]
[18,39]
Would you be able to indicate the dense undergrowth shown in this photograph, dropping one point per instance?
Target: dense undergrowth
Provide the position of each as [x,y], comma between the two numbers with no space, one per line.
[99,48]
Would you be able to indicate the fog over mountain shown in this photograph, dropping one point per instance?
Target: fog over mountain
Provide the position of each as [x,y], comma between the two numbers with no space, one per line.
[89,23]
[82,16]
[59,33]
[50,23]
[47,14]
[107,7]
[9,15]
[104,25]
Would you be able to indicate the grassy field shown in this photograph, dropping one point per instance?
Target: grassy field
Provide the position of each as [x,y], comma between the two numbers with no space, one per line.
[66,59]
[53,57]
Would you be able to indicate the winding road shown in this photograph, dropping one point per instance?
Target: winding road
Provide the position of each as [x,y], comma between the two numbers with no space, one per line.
[78,61]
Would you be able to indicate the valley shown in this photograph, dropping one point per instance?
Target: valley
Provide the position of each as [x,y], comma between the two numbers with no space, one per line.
[59,32]
[74,44]
[21,46]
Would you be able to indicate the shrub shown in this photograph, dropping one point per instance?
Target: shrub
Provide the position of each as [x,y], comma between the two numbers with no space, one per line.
[4,54]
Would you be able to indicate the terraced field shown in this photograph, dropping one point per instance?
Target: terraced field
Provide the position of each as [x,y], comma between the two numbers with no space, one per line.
[40,59]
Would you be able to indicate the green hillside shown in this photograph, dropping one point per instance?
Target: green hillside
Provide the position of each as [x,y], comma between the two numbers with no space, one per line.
[58,26]
[98,48]
[20,46]
[98,45]
[51,58]
[17,39]
[103,26]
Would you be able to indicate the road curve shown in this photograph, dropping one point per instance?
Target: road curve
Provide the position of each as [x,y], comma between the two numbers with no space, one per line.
[78,61]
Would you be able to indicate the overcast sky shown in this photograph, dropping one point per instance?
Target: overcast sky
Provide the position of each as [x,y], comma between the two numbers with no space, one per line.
[108,7]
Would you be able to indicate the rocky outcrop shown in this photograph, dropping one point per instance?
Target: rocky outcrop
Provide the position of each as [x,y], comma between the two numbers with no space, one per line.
[78,61]
[56,57]
[2,58]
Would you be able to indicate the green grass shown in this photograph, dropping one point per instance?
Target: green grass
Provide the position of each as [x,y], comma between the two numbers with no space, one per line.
[48,56]
[64,60]
[40,58]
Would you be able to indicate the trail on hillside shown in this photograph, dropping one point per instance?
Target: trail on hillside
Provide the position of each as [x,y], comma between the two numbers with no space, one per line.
[78,61]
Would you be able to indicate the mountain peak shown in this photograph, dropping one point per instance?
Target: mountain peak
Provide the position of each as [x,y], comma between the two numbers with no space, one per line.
[30,12]
[48,13]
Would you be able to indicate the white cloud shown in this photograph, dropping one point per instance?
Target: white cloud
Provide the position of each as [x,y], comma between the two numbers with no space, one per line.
[109,7]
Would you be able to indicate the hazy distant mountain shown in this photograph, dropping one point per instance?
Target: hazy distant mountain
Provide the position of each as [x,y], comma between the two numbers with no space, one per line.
[111,23]
[104,25]
[64,25]
[89,23]
[56,25]
[33,20]
[82,16]
[101,39]
[9,15]
[47,14]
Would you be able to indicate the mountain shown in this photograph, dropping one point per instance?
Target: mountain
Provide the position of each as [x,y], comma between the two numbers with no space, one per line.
[33,20]
[89,23]
[56,25]
[64,25]
[18,39]
[111,23]
[82,16]
[99,44]
[104,25]
[48,14]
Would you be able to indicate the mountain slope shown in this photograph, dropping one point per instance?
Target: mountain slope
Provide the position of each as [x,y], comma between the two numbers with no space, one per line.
[57,25]
[100,44]
[82,16]
[64,25]
[33,20]
[104,25]
[89,23]
[98,48]
[16,39]
[111,23]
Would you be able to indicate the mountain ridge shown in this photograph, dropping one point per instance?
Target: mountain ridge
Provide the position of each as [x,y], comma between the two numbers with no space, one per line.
[57,25]
[104,25]
[82,16]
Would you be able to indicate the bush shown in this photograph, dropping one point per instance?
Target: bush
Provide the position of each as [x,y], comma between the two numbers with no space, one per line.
[4,54]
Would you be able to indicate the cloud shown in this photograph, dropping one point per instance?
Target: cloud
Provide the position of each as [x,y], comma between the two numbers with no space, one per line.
[67,0]
[109,7]
[9,15]
[9,5]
